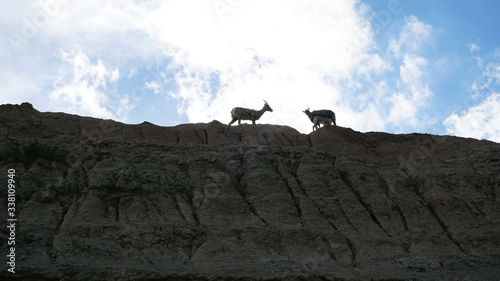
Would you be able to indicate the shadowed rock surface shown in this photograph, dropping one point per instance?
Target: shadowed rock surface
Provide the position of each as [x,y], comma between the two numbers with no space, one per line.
[102,200]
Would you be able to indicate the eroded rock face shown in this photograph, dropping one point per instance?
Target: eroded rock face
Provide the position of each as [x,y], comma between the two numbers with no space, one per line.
[101,200]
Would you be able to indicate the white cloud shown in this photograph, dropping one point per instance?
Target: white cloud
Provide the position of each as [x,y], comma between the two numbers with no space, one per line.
[490,75]
[132,73]
[410,71]
[83,90]
[412,91]
[474,48]
[153,85]
[411,37]
[115,75]
[481,121]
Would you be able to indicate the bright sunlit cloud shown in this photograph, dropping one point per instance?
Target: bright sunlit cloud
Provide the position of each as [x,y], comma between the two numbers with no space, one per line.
[83,90]
[482,119]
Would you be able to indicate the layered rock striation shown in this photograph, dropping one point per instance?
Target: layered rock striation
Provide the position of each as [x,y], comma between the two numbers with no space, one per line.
[102,200]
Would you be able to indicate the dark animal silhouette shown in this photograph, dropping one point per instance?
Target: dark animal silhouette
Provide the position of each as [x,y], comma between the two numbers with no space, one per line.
[240,113]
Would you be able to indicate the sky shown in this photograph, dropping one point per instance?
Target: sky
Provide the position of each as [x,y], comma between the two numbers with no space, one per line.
[397,66]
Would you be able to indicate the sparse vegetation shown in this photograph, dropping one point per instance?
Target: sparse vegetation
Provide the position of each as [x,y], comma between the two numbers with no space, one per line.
[29,151]
[20,128]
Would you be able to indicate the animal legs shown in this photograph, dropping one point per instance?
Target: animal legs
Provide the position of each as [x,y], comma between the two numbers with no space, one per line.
[232,121]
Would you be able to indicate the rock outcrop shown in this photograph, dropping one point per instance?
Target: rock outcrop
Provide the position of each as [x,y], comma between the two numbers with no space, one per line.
[102,200]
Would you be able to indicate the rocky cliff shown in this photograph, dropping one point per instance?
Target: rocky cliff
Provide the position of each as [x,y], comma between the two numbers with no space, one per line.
[102,200]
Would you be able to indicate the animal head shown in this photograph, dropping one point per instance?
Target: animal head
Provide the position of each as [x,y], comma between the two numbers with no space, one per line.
[307,111]
[267,107]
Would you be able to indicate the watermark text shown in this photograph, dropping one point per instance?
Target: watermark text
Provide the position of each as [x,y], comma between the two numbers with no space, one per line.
[11,220]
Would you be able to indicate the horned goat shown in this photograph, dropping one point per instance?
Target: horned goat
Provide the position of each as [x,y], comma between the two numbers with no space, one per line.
[240,113]
[326,121]
[321,113]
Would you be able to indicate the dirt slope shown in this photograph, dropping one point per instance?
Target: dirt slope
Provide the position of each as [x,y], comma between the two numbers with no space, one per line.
[102,200]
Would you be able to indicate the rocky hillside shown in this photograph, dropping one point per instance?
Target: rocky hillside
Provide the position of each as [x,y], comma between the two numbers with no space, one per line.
[102,200]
